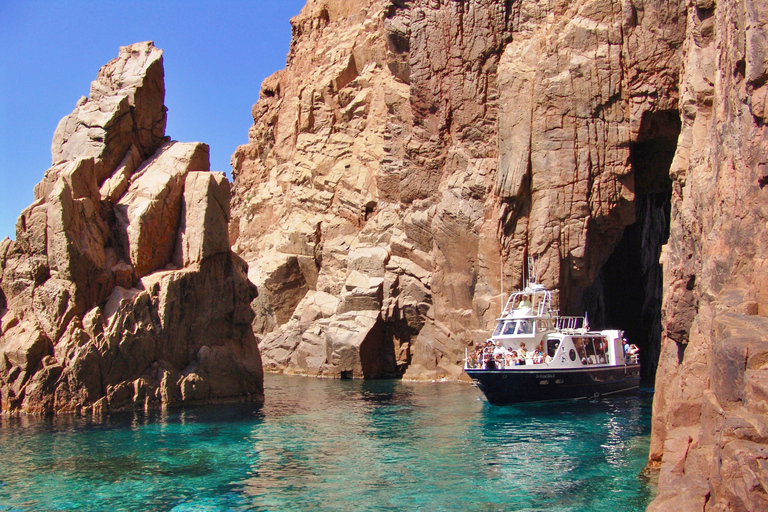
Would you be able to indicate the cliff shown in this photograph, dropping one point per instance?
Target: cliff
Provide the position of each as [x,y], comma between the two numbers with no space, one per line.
[414,154]
[710,420]
[120,290]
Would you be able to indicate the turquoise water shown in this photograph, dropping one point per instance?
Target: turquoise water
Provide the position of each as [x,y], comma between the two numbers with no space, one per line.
[336,445]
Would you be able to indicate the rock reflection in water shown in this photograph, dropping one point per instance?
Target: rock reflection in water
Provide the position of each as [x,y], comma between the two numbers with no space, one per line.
[335,445]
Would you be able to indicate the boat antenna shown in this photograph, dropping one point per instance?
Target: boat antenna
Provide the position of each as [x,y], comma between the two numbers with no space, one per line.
[501,273]
[531,270]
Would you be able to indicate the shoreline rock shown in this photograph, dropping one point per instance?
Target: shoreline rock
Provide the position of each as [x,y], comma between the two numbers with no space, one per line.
[120,290]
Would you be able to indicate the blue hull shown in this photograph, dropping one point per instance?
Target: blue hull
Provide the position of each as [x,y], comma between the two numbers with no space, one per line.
[503,387]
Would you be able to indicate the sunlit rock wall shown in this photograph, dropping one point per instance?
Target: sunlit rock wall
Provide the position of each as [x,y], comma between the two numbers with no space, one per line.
[710,422]
[120,290]
[412,155]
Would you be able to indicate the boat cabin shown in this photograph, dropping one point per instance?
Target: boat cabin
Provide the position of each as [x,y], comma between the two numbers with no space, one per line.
[579,350]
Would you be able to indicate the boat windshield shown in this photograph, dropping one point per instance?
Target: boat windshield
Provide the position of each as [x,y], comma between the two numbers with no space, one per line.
[525,327]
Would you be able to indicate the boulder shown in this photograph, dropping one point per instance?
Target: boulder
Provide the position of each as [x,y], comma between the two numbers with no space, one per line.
[149,214]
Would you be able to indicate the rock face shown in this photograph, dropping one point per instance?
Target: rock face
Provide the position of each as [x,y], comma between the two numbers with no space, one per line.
[120,290]
[710,422]
[413,154]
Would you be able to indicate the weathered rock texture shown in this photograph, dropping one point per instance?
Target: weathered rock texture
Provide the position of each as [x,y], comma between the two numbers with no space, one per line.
[710,422]
[120,289]
[414,152]
[409,148]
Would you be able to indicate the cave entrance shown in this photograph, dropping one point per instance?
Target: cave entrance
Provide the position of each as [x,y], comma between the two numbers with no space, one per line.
[628,290]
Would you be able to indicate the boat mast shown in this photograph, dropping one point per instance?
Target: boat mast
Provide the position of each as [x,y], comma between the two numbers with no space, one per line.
[501,272]
[531,271]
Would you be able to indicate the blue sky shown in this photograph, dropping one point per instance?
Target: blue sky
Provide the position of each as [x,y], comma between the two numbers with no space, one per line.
[216,55]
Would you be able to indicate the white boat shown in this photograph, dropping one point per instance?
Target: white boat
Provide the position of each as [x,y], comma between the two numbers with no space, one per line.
[536,355]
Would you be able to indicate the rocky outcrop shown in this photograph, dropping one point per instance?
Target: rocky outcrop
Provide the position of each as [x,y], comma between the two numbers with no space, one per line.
[710,422]
[413,155]
[120,290]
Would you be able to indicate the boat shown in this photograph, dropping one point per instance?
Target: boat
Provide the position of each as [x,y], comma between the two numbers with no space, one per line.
[536,355]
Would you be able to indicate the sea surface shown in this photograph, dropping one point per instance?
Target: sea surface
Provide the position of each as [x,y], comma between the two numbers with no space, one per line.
[321,444]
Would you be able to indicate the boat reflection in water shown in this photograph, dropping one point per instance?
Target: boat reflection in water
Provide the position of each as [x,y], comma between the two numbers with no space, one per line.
[536,355]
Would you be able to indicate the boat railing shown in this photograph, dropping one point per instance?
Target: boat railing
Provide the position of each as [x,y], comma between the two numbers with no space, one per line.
[570,323]
[540,302]
[481,359]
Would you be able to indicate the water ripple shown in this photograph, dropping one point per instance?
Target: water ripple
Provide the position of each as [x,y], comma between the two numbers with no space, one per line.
[336,445]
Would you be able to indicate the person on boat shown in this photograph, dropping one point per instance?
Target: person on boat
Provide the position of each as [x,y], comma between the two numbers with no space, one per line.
[522,351]
[476,359]
[537,357]
[629,349]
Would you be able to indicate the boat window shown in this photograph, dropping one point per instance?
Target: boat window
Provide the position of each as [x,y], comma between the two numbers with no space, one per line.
[552,347]
[510,328]
[497,331]
[593,350]
[579,343]
[525,327]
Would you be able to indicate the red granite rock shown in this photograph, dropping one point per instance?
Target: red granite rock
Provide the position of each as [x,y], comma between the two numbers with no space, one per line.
[120,289]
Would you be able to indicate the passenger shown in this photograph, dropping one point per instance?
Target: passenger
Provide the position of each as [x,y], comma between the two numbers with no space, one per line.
[523,353]
[479,357]
[629,349]
[537,357]
[509,328]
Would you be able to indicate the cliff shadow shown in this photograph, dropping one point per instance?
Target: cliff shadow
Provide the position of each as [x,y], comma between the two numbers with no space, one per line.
[627,292]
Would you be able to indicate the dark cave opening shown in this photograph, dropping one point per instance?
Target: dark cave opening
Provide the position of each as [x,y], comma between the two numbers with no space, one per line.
[627,292]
